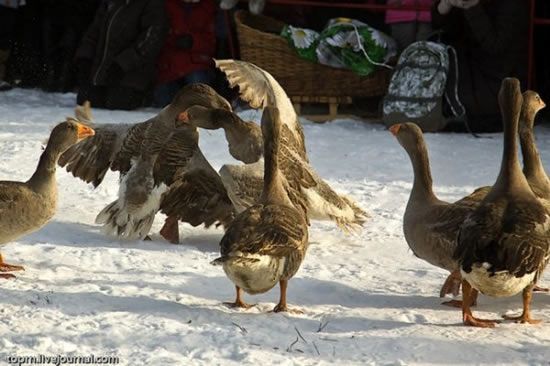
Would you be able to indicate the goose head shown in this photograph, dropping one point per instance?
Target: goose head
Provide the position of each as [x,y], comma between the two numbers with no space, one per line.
[192,95]
[66,134]
[409,135]
[532,104]
[207,118]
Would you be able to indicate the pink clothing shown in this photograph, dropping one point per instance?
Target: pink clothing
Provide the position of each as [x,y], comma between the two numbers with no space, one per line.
[399,16]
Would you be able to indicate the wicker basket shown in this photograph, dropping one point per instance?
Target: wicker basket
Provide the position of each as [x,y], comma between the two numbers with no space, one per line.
[261,44]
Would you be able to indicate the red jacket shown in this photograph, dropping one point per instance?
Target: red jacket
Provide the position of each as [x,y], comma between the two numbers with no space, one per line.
[198,20]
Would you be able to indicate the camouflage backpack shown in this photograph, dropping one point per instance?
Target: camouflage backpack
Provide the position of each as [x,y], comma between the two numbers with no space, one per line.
[422,90]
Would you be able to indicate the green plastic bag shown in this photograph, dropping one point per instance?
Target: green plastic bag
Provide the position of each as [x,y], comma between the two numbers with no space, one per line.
[303,41]
[344,43]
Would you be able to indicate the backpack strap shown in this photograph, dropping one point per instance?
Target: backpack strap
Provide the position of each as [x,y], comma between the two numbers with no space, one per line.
[451,91]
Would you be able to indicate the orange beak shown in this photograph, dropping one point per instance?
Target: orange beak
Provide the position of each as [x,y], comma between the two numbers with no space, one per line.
[394,129]
[183,117]
[84,131]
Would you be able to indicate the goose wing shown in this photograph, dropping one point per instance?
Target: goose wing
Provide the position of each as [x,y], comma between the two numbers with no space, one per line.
[112,146]
[513,237]
[197,195]
[473,199]
[260,89]
[277,231]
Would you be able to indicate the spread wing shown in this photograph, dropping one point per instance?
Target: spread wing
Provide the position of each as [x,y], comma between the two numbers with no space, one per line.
[260,89]
[175,155]
[91,158]
[512,237]
[277,231]
[197,195]
[130,147]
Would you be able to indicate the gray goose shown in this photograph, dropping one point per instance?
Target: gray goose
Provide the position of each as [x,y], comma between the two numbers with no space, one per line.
[27,206]
[532,164]
[266,243]
[503,246]
[431,225]
[244,182]
[533,170]
[161,167]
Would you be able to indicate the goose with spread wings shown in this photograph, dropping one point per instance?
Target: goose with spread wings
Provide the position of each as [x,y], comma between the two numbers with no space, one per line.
[161,168]
[244,182]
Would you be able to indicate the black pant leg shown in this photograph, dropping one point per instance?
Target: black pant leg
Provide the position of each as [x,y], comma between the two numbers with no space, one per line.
[96,95]
[125,98]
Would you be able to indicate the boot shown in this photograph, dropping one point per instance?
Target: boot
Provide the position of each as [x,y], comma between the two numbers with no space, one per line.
[4,85]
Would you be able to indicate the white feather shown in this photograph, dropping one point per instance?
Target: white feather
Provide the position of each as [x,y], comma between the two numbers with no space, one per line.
[501,284]
[259,275]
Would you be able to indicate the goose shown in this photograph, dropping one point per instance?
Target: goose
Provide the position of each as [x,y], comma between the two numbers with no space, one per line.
[503,245]
[266,243]
[430,225]
[161,168]
[27,206]
[244,182]
[532,164]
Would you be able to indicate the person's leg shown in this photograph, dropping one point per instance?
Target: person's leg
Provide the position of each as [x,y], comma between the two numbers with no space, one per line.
[423,31]
[94,94]
[164,93]
[122,97]
[404,34]
[200,76]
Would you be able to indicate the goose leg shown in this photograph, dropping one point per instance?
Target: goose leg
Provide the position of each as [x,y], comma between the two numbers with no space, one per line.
[239,303]
[458,303]
[170,230]
[451,284]
[468,294]
[5,267]
[282,306]
[525,317]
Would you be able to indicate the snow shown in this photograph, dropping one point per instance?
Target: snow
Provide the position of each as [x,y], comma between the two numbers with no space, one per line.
[366,299]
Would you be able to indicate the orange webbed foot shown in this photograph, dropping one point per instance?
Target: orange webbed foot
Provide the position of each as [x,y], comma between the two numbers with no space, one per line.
[523,319]
[541,289]
[5,267]
[7,276]
[238,304]
[469,320]
[279,308]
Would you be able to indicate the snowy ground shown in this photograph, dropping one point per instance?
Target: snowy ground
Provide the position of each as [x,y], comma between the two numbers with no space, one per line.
[366,299]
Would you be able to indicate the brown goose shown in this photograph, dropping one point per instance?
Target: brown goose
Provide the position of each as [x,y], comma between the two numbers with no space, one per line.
[244,182]
[429,224]
[503,246]
[532,164]
[159,165]
[27,206]
[266,243]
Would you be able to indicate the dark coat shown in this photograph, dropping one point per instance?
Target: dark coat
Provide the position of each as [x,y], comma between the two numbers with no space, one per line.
[491,43]
[129,34]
